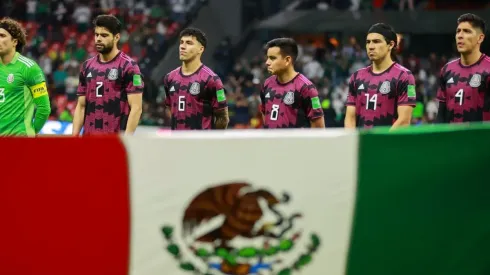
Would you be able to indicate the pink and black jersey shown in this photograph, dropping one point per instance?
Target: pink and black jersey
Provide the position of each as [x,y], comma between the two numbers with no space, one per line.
[289,105]
[193,98]
[106,86]
[465,90]
[377,96]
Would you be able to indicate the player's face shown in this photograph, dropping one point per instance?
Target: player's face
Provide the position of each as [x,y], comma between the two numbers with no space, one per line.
[276,62]
[376,47]
[105,41]
[7,44]
[468,38]
[189,48]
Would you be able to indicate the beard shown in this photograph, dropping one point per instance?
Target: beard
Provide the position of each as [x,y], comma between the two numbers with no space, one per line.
[106,48]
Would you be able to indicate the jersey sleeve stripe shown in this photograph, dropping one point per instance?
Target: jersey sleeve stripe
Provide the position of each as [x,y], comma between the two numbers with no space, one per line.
[28,61]
[305,80]
[207,70]
[25,62]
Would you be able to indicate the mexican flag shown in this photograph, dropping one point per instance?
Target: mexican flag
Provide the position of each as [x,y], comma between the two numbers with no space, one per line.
[412,201]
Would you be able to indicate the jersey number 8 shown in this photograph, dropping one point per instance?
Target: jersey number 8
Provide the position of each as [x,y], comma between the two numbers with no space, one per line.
[275,112]
[2,95]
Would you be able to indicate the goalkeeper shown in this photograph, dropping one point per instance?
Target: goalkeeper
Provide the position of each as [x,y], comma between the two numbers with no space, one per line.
[24,100]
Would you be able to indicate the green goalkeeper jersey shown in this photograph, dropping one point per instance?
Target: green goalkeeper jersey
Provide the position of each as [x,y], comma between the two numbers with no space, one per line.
[22,93]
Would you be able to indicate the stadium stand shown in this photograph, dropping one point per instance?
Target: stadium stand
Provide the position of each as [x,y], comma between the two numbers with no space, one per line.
[60,37]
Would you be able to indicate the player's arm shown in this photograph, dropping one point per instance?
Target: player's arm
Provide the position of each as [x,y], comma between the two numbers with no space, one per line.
[79,115]
[262,105]
[441,97]
[37,85]
[219,103]
[221,118]
[404,116]
[135,102]
[406,100]
[350,113]
[134,86]
[312,106]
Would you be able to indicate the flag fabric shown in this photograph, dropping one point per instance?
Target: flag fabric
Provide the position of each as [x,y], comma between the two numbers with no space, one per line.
[413,201]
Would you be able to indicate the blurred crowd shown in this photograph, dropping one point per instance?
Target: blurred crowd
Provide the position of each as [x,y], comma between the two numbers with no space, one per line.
[356,5]
[329,68]
[60,37]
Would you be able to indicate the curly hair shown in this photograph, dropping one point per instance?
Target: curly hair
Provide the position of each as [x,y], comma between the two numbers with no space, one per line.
[16,31]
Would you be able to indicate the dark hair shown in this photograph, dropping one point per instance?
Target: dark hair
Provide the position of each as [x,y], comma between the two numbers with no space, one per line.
[110,22]
[197,33]
[474,20]
[388,32]
[16,31]
[288,47]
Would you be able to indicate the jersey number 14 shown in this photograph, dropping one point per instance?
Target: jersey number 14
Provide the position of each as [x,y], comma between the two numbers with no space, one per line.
[371,101]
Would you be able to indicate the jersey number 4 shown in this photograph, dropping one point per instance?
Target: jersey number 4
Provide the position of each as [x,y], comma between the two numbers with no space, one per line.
[459,97]
[2,95]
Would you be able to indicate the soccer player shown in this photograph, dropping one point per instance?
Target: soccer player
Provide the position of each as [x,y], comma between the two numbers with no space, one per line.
[24,99]
[464,84]
[111,86]
[382,94]
[195,97]
[289,99]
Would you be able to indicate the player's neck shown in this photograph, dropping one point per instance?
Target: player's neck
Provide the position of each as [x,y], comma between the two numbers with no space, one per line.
[108,57]
[6,59]
[287,76]
[382,65]
[469,59]
[191,66]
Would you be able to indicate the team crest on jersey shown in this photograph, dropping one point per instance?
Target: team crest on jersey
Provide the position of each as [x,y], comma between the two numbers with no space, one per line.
[289,98]
[112,74]
[385,87]
[195,89]
[475,81]
[10,78]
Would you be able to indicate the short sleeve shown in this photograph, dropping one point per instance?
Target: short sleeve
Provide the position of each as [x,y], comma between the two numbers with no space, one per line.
[312,106]
[441,90]
[351,96]
[406,94]
[133,79]
[82,81]
[218,95]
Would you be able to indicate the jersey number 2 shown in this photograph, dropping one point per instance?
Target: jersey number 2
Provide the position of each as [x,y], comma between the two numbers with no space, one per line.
[2,95]
[98,92]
